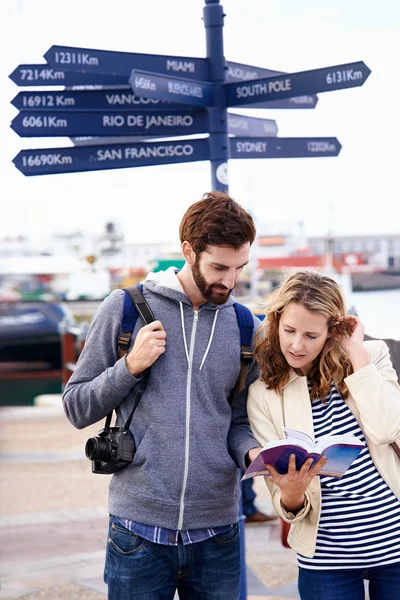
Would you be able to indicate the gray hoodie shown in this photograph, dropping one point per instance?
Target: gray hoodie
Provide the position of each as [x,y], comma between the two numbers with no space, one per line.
[189,440]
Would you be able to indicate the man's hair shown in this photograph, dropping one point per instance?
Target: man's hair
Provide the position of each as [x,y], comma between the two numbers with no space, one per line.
[318,294]
[216,220]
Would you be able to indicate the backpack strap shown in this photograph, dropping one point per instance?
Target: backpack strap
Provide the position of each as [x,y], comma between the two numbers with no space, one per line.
[246,328]
[134,305]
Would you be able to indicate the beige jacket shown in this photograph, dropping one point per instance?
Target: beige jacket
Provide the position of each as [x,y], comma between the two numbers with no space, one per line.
[375,402]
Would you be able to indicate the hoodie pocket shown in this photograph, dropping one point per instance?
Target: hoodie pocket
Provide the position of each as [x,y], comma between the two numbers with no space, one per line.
[156,472]
[212,474]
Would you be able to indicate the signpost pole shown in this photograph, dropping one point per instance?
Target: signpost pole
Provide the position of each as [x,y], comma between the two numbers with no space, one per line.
[213,16]
[219,153]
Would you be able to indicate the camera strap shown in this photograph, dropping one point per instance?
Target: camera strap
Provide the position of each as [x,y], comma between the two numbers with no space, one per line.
[134,296]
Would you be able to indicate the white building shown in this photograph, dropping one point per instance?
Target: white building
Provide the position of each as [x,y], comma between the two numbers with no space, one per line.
[379,250]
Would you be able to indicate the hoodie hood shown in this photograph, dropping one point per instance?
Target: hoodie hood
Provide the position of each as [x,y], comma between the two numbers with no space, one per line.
[166,283]
[167,279]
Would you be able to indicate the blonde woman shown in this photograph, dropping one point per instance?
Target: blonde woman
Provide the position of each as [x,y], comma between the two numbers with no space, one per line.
[318,375]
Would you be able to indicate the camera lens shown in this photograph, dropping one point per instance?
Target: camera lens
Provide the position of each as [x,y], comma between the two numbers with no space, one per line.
[98,448]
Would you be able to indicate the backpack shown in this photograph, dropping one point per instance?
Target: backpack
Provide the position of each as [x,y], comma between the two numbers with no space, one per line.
[135,304]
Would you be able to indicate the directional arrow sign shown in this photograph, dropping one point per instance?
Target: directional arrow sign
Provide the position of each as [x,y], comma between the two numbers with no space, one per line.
[173,89]
[309,101]
[45,75]
[118,99]
[118,139]
[121,63]
[306,82]
[237,125]
[114,99]
[251,126]
[283,147]
[239,72]
[46,161]
[150,123]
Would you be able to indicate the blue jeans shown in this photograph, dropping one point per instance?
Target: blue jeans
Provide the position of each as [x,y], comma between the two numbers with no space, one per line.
[137,569]
[384,584]
[248,497]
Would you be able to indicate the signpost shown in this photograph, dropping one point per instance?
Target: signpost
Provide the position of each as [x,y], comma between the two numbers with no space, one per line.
[171,89]
[127,97]
[111,99]
[121,63]
[95,158]
[75,123]
[116,139]
[251,126]
[306,82]
[45,75]
[237,125]
[242,147]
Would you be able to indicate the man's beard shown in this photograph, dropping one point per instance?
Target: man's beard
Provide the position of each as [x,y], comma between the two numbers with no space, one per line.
[208,291]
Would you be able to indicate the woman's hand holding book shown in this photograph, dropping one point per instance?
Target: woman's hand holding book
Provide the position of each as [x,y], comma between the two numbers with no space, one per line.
[293,484]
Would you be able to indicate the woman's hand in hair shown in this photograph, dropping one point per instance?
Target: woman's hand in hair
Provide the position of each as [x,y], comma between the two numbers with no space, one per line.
[350,335]
[294,483]
[349,332]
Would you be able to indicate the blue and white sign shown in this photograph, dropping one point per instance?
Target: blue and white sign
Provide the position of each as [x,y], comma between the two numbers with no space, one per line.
[172,89]
[112,99]
[45,75]
[302,102]
[69,58]
[284,147]
[237,125]
[251,126]
[239,72]
[88,140]
[150,123]
[297,84]
[47,161]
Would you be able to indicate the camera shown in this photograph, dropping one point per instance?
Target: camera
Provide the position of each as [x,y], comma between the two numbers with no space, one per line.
[111,450]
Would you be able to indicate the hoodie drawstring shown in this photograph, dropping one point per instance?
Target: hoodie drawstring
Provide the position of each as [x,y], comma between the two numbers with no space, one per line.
[210,340]
[183,331]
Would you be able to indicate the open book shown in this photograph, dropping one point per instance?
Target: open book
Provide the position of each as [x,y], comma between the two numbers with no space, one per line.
[340,450]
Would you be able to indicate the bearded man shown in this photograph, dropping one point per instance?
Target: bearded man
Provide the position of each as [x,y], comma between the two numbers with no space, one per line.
[174,510]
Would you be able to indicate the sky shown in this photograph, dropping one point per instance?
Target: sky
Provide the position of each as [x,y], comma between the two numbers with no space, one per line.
[355,193]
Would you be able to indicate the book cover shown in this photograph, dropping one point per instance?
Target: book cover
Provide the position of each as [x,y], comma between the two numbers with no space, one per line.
[340,450]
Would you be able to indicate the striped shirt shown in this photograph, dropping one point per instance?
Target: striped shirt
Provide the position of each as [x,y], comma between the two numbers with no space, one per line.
[168,537]
[360,515]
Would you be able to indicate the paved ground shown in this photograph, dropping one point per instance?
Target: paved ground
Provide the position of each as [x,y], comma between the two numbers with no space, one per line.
[53,517]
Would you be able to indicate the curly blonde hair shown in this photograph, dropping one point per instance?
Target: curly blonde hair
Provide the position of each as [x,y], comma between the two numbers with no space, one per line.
[320,294]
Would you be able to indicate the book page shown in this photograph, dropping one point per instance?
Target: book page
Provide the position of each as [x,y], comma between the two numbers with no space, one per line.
[288,442]
[296,434]
[249,474]
[347,439]
[340,457]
